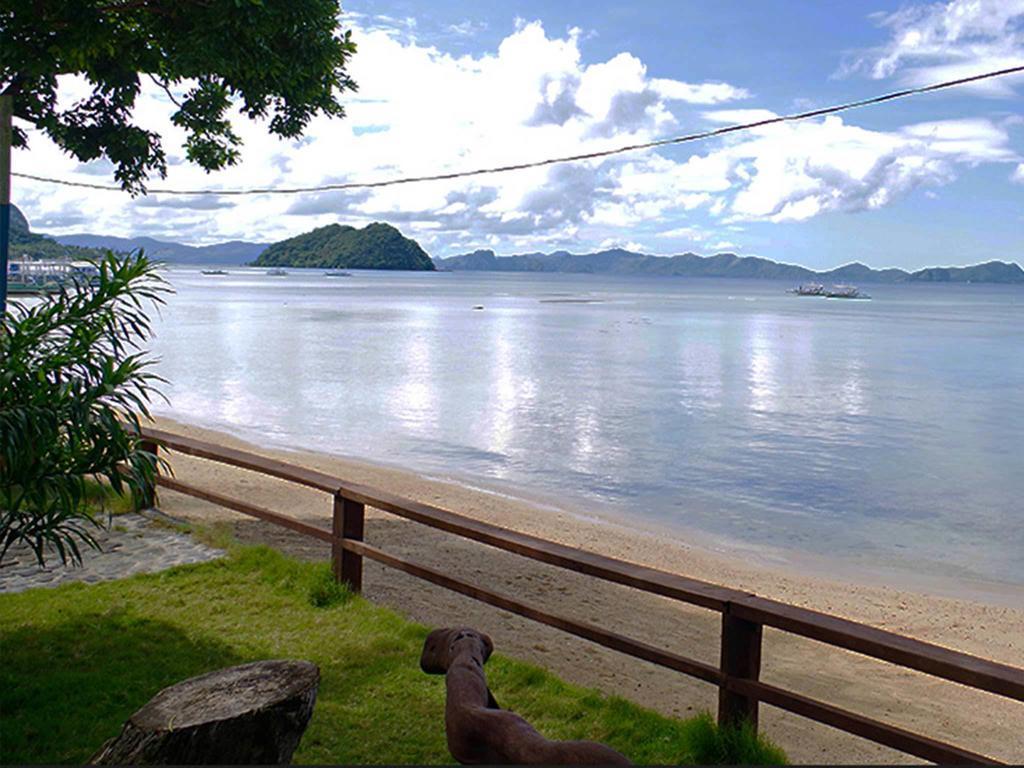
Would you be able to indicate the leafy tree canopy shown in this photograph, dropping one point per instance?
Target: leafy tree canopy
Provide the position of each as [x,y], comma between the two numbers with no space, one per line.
[280,60]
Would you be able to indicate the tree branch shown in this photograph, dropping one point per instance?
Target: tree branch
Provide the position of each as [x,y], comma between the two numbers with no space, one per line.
[166,89]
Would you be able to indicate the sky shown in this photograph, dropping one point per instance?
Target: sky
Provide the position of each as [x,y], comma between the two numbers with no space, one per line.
[449,85]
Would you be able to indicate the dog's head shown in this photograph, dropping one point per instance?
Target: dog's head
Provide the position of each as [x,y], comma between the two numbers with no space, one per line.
[443,645]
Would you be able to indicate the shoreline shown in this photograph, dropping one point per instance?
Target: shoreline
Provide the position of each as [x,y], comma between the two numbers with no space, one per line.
[785,561]
[972,719]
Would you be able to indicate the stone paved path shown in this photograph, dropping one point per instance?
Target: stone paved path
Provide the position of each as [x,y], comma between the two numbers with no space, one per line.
[135,543]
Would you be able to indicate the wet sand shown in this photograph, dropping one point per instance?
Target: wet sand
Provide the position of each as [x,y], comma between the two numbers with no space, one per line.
[971,719]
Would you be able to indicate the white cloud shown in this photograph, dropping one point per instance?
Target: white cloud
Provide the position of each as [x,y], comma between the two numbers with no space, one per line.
[467,28]
[738,116]
[941,41]
[628,245]
[685,233]
[702,93]
[969,140]
[533,97]
[798,170]
[794,171]
[1017,176]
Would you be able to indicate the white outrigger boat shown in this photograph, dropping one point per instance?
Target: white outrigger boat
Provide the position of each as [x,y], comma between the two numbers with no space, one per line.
[834,292]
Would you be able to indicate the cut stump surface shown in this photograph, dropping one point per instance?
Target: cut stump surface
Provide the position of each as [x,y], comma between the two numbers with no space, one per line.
[253,713]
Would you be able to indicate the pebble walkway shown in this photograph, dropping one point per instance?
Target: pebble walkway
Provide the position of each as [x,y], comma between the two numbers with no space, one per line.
[135,543]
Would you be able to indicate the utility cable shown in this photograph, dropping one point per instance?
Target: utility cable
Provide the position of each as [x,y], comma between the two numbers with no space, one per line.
[555,160]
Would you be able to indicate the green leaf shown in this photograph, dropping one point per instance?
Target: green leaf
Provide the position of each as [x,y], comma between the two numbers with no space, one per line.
[72,401]
[285,60]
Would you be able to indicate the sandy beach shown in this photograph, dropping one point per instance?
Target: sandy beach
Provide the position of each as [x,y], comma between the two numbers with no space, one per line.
[971,719]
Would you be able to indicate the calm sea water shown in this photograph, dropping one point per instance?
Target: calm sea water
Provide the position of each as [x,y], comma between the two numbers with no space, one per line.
[887,431]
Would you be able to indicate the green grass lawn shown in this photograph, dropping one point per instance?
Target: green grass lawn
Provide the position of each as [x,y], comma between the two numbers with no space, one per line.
[79,659]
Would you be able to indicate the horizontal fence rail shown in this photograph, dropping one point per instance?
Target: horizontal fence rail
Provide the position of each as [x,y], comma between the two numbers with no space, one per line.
[744,615]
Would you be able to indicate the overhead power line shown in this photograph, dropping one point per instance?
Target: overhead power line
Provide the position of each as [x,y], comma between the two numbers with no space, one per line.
[554,160]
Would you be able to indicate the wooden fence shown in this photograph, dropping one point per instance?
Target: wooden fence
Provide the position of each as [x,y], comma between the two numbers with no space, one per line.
[744,615]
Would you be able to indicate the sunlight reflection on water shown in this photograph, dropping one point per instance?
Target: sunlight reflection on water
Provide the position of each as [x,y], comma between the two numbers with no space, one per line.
[890,427]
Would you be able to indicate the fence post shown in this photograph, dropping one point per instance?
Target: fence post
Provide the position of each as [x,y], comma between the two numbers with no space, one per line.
[147,494]
[741,658]
[348,524]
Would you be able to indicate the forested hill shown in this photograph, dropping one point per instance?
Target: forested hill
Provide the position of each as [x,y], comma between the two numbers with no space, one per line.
[376,246]
[26,244]
[622,262]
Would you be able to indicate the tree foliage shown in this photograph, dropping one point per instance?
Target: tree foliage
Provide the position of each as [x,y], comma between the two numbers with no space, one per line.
[279,60]
[47,248]
[74,388]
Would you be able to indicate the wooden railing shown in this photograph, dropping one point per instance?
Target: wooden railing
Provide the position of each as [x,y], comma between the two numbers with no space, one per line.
[744,615]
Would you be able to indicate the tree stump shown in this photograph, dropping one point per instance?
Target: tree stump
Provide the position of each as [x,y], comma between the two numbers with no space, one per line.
[253,714]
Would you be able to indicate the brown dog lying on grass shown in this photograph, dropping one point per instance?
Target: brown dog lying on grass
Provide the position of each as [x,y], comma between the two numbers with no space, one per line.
[478,730]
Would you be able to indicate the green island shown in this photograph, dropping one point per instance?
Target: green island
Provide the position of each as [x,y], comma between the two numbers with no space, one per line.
[119,642]
[336,246]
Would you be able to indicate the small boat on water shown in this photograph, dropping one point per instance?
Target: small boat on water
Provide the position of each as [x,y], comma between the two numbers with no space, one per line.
[808,289]
[276,272]
[213,272]
[845,292]
[833,292]
[337,274]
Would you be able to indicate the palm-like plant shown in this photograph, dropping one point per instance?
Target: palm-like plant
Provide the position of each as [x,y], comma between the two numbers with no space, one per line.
[75,386]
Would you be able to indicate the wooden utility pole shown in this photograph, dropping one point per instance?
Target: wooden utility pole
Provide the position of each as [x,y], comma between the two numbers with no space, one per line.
[6,118]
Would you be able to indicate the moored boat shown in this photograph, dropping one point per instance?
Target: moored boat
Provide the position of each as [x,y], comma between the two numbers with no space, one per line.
[832,292]
[808,289]
[845,292]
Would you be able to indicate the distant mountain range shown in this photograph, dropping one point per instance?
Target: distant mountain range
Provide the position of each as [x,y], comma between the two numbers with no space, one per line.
[375,246]
[26,244]
[622,262]
[381,246]
[232,252]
